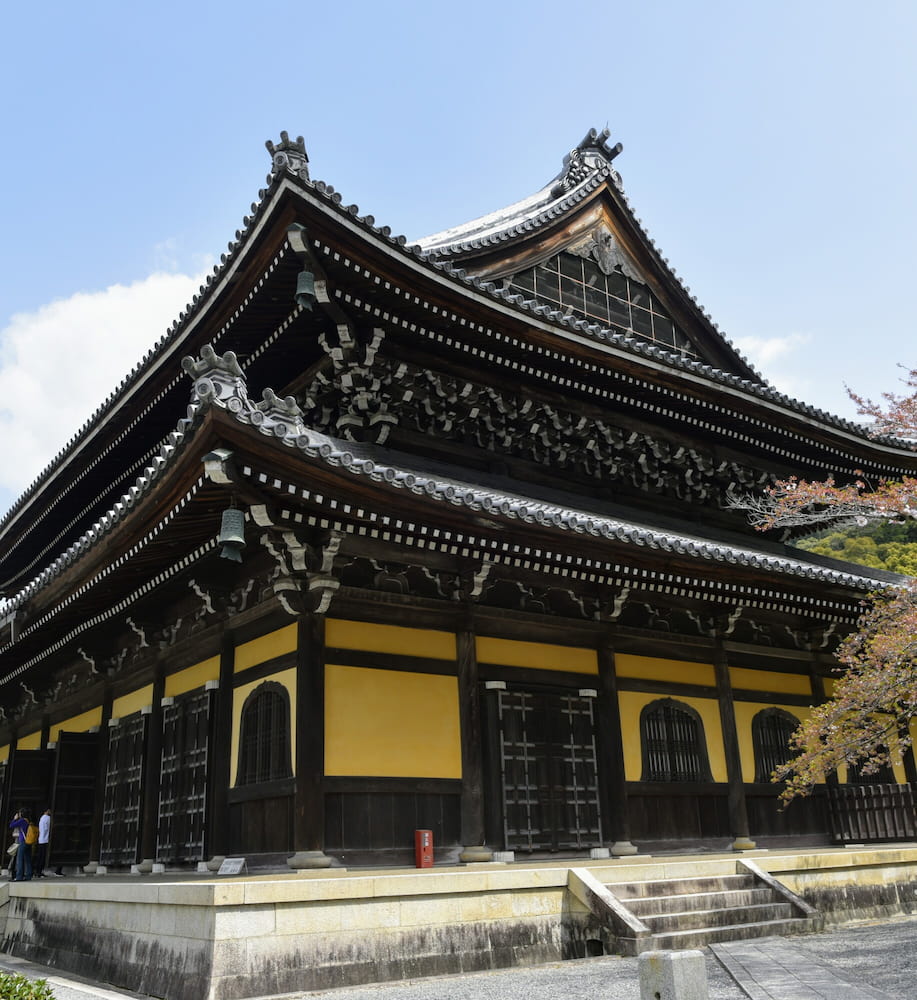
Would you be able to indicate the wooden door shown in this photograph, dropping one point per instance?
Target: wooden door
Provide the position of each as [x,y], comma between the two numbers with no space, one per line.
[549,778]
[74,797]
[123,799]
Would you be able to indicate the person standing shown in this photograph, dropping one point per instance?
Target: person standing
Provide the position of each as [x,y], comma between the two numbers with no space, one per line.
[44,836]
[20,826]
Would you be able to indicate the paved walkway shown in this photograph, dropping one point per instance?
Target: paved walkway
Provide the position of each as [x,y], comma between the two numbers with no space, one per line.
[779,969]
[865,961]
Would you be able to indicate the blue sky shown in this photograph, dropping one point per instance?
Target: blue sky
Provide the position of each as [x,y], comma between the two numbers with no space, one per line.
[770,149]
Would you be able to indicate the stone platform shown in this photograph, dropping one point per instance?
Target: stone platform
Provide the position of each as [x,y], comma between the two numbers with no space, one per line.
[220,938]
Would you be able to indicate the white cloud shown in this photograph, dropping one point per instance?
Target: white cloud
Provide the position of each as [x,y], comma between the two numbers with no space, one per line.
[778,360]
[60,362]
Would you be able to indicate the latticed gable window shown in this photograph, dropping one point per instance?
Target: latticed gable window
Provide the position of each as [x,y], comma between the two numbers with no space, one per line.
[577,285]
[673,744]
[264,743]
[771,730]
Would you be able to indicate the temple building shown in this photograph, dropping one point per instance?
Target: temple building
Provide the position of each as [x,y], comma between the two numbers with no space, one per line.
[384,537]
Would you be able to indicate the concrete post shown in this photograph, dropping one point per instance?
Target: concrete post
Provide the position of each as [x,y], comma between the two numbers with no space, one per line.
[673,975]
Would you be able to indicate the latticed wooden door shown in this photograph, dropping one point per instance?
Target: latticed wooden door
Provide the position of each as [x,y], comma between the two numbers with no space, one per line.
[74,797]
[548,771]
[123,791]
[183,782]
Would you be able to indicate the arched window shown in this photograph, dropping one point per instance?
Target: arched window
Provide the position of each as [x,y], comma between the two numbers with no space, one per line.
[672,737]
[771,730]
[885,775]
[264,741]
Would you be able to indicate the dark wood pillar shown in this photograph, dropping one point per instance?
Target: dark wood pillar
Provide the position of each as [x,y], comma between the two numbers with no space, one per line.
[611,755]
[494,831]
[217,834]
[149,828]
[95,836]
[472,806]
[309,797]
[738,813]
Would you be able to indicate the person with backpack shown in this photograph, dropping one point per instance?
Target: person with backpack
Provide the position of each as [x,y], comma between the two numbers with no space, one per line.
[20,827]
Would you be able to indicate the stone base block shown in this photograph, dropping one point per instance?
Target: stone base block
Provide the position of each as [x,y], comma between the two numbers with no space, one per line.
[673,975]
[476,855]
[743,844]
[505,857]
[309,859]
[622,849]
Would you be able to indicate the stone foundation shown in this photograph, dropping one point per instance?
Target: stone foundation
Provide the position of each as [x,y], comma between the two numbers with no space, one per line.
[230,938]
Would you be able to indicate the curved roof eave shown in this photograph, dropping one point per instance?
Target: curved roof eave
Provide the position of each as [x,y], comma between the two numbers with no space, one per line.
[434,487]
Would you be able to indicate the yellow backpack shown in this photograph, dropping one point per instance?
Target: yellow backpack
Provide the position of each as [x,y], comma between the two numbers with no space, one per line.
[31,835]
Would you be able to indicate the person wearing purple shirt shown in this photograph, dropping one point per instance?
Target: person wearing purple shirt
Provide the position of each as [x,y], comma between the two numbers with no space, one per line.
[20,826]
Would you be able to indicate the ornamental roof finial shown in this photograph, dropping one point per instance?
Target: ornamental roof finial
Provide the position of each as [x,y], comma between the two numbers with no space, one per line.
[592,153]
[289,155]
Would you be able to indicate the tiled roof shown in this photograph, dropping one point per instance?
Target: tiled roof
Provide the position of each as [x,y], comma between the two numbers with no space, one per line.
[280,419]
[333,201]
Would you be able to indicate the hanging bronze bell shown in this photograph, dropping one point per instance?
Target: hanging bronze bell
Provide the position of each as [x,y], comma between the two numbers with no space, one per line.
[305,289]
[232,534]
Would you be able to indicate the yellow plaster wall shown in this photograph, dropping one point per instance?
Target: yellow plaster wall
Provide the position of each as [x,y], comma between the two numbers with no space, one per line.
[391,723]
[769,680]
[30,742]
[4,753]
[78,724]
[393,639]
[674,671]
[631,704]
[536,655]
[745,711]
[129,703]
[287,678]
[193,677]
[264,648]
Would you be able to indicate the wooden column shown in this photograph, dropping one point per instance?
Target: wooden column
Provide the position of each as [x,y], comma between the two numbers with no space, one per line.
[738,814]
[95,836]
[217,833]
[149,826]
[472,806]
[612,777]
[309,798]
[492,766]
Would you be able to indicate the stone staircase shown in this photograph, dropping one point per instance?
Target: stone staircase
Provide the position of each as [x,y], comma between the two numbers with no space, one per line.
[691,912]
[687,910]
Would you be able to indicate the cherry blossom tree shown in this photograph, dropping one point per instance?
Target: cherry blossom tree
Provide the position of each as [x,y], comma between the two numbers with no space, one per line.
[866,721]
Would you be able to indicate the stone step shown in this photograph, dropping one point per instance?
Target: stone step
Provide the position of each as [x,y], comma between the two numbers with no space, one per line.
[697,938]
[682,886]
[736,898]
[689,920]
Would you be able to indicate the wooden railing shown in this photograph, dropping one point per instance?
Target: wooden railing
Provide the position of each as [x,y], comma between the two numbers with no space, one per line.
[865,813]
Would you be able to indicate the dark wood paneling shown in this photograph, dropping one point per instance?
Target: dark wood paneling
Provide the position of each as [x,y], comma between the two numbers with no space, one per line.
[677,812]
[261,826]
[389,661]
[801,817]
[387,820]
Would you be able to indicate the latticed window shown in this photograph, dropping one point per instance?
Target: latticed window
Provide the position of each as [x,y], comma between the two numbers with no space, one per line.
[885,775]
[264,744]
[673,743]
[575,284]
[771,730]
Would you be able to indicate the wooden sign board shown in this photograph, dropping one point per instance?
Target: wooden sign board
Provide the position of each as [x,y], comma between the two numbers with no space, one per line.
[232,866]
